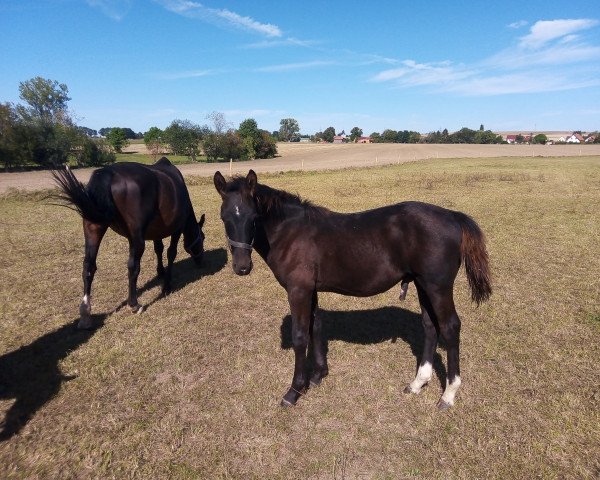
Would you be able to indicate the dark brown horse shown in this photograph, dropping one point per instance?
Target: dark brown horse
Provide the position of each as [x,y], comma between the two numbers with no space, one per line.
[311,249]
[139,202]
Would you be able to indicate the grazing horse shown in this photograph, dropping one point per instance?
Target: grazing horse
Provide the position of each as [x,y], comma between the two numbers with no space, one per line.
[311,249]
[139,202]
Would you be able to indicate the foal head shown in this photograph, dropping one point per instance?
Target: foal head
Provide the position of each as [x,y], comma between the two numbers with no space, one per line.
[196,246]
[239,214]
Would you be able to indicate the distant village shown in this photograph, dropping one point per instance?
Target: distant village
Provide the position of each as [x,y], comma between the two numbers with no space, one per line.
[548,138]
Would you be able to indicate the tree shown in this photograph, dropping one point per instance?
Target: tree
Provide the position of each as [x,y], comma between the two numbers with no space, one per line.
[540,138]
[11,155]
[47,133]
[328,134]
[94,153]
[47,99]
[375,137]
[289,128]
[355,134]
[184,137]
[153,139]
[389,136]
[117,139]
[219,123]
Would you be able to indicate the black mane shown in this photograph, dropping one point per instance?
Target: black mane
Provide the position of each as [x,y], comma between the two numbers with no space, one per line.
[281,204]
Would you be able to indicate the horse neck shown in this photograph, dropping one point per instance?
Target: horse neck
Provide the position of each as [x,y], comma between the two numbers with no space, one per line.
[277,207]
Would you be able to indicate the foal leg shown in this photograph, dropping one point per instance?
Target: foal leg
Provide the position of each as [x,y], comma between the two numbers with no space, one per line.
[301,306]
[171,254]
[449,324]
[136,250]
[93,233]
[158,249]
[431,334]
[320,369]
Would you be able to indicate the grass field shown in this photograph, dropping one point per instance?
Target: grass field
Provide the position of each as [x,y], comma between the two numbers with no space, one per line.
[190,388]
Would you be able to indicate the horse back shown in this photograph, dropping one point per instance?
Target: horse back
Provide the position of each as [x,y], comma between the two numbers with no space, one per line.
[368,252]
[151,198]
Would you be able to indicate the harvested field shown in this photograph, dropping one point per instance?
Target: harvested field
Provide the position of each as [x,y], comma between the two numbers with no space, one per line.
[190,388]
[314,156]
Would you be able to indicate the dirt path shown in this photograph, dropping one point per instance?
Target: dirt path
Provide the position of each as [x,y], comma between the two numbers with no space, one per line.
[300,156]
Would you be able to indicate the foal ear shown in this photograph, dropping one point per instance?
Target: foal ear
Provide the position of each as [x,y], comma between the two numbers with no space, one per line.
[251,181]
[201,221]
[220,182]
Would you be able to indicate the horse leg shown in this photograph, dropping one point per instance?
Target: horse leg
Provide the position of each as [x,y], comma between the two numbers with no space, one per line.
[449,324]
[320,369]
[93,233]
[301,306]
[429,345]
[171,254]
[158,249]
[136,250]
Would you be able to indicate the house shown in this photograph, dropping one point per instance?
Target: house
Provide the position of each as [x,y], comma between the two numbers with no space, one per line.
[590,139]
[339,139]
[511,139]
[575,138]
[363,140]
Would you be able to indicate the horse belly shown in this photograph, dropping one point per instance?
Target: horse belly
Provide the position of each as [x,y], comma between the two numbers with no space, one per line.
[159,228]
[358,276]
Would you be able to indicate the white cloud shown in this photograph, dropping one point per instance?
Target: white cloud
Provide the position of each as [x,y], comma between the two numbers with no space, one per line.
[545,31]
[518,24]
[528,82]
[188,74]
[294,66]
[290,41]
[220,16]
[414,74]
[529,67]
[115,9]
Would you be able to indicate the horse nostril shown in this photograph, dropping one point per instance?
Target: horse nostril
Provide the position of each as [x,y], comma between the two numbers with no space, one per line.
[244,270]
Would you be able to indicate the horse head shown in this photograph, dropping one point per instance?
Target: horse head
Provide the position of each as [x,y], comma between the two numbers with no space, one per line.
[196,247]
[239,214]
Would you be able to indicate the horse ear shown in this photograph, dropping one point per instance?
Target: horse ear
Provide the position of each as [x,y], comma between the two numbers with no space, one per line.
[220,182]
[251,181]
[201,221]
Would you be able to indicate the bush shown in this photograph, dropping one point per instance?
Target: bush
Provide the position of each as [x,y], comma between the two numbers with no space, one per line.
[94,154]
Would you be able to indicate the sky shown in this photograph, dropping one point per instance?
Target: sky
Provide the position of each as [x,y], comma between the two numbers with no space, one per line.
[423,66]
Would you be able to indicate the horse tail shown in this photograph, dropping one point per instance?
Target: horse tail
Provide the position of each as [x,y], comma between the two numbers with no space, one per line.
[475,258]
[94,202]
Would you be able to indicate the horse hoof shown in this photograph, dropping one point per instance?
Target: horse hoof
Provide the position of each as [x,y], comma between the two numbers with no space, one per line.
[285,403]
[315,382]
[442,406]
[137,308]
[408,389]
[85,323]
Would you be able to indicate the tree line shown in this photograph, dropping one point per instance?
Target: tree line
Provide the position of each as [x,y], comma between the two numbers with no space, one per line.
[42,132]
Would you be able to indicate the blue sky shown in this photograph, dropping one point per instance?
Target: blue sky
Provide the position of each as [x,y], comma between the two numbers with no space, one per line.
[402,65]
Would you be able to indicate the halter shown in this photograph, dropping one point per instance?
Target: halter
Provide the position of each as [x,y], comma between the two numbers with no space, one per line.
[188,249]
[245,246]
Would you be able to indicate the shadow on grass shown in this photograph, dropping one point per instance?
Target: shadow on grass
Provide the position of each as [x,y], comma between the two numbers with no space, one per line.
[185,272]
[366,327]
[31,374]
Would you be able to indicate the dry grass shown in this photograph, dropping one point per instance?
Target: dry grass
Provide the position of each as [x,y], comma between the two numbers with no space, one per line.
[190,388]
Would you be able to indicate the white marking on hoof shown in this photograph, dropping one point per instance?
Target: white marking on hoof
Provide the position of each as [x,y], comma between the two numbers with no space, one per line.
[137,308]
[422,378]
[450,392]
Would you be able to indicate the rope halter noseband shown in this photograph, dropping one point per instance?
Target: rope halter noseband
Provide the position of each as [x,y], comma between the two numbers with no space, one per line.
[245,246]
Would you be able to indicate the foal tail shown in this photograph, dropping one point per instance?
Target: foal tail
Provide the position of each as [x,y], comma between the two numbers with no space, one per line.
[94,202]
[475,257]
